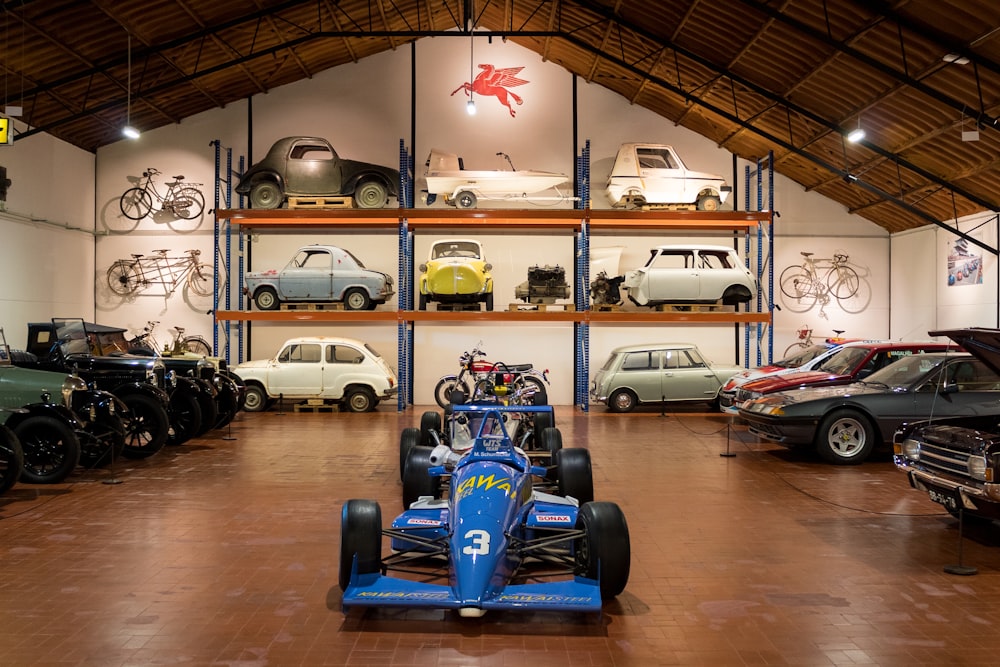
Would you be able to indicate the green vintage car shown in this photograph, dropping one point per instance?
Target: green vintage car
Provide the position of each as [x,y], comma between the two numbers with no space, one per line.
[59,421]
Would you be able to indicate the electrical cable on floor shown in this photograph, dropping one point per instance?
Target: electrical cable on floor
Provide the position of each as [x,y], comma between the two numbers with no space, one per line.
[746,446]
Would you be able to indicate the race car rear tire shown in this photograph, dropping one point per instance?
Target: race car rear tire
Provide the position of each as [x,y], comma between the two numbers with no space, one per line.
[576,477]
[429,421]
[408,439]
[360,535]
[551,442]
[417,481]
[604,552]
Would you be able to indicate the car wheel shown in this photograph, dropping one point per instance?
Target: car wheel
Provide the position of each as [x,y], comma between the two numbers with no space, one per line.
[417,481]
[845,437]
[708,203]
[103,442]
[146,427]
[575,474]
[361,537]
[489,302]
[444,388]
[539,422]
[370,194]
[422,302]
[185,417]
[356,299]
[266,299]
[11,458]
[551,442]
[360,399]
[255,398]
[429,421]
[266,194]
[604,553]
[408,439]
[622,400]
[51,449]
[466,199]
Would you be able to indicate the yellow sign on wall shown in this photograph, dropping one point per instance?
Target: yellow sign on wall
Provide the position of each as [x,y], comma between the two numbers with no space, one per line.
[5,132]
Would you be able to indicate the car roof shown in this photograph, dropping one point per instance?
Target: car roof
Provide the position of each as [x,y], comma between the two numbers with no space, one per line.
[654,346]
[324,339]
[457,241]
[694,246]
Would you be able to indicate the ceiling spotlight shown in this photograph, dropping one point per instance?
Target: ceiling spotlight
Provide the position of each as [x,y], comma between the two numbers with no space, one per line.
[955,59]
[856,135]
[130,132]
[470,107]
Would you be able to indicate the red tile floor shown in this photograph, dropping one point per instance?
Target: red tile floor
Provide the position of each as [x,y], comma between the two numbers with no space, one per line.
[224,552]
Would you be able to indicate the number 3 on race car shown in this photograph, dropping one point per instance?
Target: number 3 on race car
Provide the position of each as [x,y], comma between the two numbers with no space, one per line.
[480,543]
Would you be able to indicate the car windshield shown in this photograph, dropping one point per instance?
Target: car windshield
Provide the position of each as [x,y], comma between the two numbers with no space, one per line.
[844,361]
[455,249]
[906,371]
[802,356]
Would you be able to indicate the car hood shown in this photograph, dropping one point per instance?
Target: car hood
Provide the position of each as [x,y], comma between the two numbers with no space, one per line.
[791,396]
[256,363]
[984,344]
[770,384]
[748,375]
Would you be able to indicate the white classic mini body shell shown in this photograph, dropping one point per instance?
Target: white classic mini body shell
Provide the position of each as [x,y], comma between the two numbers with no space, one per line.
[654,174]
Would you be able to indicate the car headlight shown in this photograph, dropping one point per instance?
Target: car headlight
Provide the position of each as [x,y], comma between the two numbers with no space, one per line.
[911,449]
[979,468]
[69,385]
[422,268]
[171,378]
[488,267]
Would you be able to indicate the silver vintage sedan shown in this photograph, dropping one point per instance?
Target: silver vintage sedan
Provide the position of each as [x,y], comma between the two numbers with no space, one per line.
[658,373]
[320,273]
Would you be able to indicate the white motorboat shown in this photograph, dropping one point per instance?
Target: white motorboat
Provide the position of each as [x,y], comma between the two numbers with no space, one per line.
[446,176]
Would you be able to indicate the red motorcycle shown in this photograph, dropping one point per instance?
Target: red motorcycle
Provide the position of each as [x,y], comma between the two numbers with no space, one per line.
[479,378]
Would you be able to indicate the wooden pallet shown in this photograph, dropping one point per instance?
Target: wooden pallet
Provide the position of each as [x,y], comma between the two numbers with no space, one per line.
[688,307]
[313,306]
[606,308]
[459,307]
[320,202]
[541,307]
[316,405]
[669,207]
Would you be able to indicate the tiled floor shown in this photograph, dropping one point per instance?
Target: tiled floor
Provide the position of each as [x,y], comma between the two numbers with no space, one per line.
[224,552]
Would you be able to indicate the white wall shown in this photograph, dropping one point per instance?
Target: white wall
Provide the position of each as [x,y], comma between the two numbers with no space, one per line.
[47,253]
[364,109]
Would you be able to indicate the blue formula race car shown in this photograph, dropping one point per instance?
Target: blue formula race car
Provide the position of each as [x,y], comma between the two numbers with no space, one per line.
[497,541]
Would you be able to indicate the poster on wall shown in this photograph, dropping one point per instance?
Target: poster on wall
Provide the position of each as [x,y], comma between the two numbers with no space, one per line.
[965,265]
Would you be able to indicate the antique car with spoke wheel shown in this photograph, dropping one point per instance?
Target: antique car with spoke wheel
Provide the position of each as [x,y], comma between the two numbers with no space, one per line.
[495,542]
[11,458]
[847,424]
[324,368]
[309,167]
[141,383]
[59,421]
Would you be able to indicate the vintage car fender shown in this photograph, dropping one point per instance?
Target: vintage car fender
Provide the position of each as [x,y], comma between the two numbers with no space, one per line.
[143,389]
[45,410]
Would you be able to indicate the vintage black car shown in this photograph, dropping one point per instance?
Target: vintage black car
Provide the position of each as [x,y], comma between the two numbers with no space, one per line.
[58,421]
[11,458]
[140,382]
[223,392]
[956,461]
[310,167]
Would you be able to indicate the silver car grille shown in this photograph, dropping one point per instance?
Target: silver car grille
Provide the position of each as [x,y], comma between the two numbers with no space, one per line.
[952,462]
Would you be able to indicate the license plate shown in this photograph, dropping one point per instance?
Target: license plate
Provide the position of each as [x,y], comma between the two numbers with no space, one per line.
[946,499]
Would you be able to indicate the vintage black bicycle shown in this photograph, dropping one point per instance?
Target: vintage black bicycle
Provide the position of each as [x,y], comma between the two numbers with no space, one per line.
[182,199]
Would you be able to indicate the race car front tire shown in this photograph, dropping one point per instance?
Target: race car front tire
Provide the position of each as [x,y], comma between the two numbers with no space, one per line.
[604,552]
[361,535]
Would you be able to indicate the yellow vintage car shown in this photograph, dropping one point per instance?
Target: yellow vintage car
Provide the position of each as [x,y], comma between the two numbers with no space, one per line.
[456,273]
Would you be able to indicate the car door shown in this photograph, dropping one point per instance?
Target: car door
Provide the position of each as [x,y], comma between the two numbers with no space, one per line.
[687,377]
[341,363]
[661,174]
[308,275]
[297,371]
[640,371]
[671,275]
[344,272]
[313,168]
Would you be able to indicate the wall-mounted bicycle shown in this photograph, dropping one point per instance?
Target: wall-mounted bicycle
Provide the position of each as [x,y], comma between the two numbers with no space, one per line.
[183,200]
[146,342]
[818,280]
[129,276]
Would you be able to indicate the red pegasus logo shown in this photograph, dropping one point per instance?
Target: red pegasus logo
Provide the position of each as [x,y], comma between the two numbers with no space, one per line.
[492,81]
